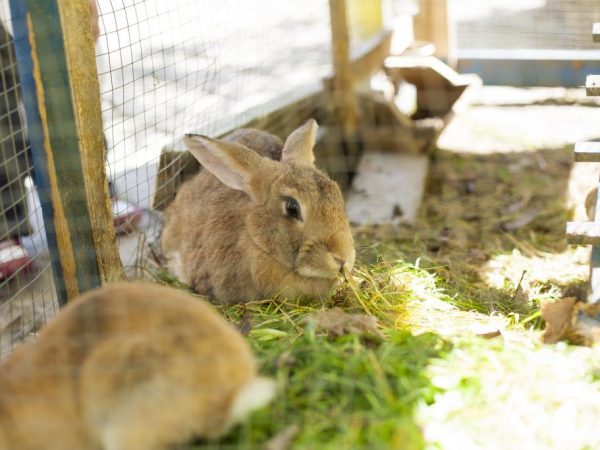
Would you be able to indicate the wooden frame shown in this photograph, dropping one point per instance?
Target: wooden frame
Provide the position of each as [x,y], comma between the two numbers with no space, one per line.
[588,233]
[57,64]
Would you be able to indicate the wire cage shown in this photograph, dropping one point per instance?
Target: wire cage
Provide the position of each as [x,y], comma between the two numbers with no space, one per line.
[166,70]
[108,101]
[96,97]
[163,69]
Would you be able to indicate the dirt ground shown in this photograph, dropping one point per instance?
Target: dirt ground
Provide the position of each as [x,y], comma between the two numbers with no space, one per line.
[492,226]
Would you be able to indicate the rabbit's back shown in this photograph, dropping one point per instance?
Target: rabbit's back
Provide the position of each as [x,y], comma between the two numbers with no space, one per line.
[133,363]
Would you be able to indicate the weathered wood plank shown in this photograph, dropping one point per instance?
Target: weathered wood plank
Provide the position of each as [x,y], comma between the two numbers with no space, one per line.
[48,109]
[374,199]
[592,85]
[85,89]
[441,91]
[587,152]
[432,24]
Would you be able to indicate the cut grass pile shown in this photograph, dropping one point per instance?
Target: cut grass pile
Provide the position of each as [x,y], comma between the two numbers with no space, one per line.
[350,391]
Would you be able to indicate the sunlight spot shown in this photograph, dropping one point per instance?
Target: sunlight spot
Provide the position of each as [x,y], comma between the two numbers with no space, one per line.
[505,271]
[515,395]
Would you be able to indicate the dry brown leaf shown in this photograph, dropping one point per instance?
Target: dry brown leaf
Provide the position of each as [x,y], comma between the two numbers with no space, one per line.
[578,323]
[585,324]
[283,439]
[590,203]
[336,322]
[558,318]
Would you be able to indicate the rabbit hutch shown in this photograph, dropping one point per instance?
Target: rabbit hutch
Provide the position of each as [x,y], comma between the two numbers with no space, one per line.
[459,134]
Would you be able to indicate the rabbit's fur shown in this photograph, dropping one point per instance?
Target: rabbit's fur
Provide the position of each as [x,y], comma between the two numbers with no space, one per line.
[127,367]
[228,233]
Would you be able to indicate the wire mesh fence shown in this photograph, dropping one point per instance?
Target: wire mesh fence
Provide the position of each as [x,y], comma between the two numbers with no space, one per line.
[27,295]
[166,69]
[171,68]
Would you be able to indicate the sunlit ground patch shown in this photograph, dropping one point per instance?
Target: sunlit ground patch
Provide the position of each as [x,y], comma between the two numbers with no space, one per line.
[514,393]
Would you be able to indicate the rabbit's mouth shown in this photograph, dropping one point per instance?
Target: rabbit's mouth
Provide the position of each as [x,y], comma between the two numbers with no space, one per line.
[325,265]
[318,273]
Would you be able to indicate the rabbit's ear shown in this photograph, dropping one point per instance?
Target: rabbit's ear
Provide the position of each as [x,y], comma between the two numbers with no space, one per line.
[299,145]
[233,164]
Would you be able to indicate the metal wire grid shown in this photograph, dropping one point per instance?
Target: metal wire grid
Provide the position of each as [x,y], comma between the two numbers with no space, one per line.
[27,295]
[525,24]
[170,68]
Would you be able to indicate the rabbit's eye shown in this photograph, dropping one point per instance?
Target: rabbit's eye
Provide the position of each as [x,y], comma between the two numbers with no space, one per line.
[292,208]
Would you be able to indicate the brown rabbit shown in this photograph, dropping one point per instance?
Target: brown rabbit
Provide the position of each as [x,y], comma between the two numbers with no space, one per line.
[259,220]
[127,367]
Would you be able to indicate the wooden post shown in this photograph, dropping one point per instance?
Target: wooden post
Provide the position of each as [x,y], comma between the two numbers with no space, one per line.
[64,123]
[345,104]
[343,98]
[432,24]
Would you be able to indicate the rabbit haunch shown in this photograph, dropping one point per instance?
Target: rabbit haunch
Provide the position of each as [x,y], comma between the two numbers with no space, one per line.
[259,220]
[132,366]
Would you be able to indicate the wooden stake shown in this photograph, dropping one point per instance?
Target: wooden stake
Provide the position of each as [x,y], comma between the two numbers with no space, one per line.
[81,61]
[346,107]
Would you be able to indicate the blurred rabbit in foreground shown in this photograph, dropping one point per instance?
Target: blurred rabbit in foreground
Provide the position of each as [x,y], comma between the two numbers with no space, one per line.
[127,367]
